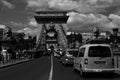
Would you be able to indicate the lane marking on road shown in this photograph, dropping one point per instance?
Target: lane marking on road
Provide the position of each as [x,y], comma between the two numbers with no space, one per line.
[51,70]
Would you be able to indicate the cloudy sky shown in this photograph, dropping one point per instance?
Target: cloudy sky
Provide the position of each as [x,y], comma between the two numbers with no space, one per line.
[84,13]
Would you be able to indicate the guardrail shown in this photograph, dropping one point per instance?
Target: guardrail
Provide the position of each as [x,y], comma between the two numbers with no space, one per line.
[116,56]
[8,59]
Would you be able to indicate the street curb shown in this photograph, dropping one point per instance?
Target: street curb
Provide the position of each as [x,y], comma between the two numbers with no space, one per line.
[19,62]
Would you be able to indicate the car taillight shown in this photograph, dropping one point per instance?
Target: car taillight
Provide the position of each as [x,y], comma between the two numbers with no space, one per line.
[86,61]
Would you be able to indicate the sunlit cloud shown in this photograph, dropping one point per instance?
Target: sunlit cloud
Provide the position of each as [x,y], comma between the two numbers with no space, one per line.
[32,22]
[7,4]
[83,6]
[17,24]
[2,26]
[84,12]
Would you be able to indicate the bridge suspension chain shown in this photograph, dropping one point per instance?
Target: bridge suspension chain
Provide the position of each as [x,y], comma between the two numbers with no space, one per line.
[62,37]
[40,45]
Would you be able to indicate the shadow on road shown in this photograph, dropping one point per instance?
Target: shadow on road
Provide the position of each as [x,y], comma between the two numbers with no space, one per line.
[101,76]
[94,76]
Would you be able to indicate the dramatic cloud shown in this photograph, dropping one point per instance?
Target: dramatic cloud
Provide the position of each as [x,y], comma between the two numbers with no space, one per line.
[37,4]
[32,22]
[29,31]
[7,4]
[63,4]
[82,6]
[2,26]
[88,21]
[115,20]
[18,24]
[87,18]
[86,13]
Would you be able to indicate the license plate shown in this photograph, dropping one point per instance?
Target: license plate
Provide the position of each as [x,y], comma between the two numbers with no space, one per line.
[100,62]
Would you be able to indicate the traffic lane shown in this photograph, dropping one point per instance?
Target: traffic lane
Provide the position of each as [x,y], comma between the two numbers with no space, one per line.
[61,72]
[34,70]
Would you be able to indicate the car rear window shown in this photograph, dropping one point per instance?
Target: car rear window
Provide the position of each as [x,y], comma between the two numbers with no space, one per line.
[99,51]
[73,52]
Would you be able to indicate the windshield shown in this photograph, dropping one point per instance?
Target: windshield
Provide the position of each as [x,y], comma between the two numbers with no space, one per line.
[75,52]
[99,51]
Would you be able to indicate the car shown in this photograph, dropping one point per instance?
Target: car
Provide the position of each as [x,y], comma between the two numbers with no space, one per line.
[94,58]
[73,51]
[58,53]
[68,58]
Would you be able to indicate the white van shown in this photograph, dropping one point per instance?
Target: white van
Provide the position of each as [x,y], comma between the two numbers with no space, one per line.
[94,58]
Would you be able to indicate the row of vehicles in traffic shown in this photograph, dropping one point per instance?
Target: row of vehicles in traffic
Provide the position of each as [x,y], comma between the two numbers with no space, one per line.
[89,58]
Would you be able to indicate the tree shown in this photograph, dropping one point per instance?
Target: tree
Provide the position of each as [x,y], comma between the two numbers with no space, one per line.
[7,35]
[79,38]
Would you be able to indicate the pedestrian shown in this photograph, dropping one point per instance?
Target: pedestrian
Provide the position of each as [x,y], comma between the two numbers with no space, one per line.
[114,38]
[96,33]
[4,55]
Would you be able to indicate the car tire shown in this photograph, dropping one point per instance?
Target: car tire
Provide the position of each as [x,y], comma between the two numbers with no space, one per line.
[82,74]
[60,61]
[110,75]
[64,64]
[75,70]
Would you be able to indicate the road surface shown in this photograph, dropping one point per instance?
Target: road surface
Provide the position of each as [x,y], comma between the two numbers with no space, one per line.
[45,69]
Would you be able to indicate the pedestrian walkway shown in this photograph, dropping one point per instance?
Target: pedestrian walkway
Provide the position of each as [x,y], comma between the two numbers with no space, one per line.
[13,62]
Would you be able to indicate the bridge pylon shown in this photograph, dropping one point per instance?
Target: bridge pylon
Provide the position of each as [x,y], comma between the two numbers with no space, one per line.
[47,36]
